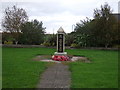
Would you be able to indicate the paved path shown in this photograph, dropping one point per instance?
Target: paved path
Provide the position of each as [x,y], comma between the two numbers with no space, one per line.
[56,76]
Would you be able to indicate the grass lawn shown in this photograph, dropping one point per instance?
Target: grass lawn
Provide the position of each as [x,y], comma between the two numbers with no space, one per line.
[20,71]
[101,73]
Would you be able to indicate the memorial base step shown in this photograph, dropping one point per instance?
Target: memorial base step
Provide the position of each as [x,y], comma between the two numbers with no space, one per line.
[59,53]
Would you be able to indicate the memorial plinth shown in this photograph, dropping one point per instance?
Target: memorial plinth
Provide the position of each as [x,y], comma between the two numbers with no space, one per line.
[60,42]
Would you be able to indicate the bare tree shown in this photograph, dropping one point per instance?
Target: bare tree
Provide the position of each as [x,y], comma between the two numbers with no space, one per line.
[13,19]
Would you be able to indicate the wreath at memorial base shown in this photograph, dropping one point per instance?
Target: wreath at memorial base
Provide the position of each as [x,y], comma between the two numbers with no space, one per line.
[60,58]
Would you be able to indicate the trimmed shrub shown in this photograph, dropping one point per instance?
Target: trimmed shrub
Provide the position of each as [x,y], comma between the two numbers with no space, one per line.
[8,42]
[74,45]
[46,44]
[116,46]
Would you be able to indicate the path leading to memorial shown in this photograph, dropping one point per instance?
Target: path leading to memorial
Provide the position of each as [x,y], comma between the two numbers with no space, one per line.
[56,76]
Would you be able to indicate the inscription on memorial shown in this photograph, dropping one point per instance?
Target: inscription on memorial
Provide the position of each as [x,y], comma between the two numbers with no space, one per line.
[60,42]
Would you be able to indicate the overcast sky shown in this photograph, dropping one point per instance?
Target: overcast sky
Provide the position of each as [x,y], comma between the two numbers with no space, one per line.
[57,13]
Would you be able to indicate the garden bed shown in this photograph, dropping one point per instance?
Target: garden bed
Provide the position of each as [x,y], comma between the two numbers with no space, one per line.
[48,58]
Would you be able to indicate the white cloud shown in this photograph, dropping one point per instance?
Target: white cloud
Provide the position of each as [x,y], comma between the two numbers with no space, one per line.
[119,7]
[65,19]
[56,13]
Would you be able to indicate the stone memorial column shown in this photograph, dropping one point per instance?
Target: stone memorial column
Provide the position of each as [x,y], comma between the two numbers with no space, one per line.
[60,42]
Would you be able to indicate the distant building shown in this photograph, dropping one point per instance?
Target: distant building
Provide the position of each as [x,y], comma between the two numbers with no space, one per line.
[117,16]
[0,38]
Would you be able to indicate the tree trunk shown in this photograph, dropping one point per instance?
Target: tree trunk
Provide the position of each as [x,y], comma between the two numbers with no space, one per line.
[106,45]
[16,42]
